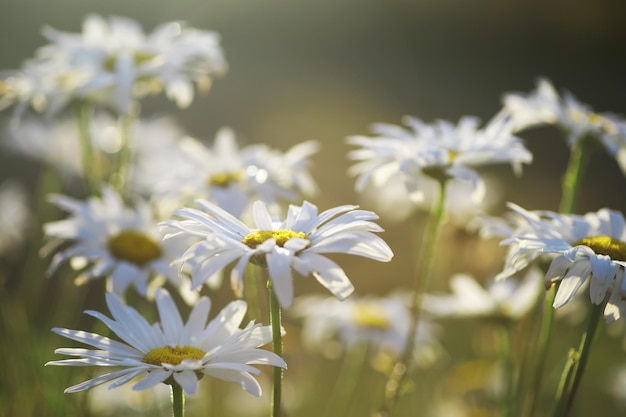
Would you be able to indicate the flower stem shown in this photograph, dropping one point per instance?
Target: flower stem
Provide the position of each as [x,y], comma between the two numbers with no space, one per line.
[178,401]
[345,388]
[575,367]
[277,340]
[90,163]
[421,282]
[122,172]
[573,178]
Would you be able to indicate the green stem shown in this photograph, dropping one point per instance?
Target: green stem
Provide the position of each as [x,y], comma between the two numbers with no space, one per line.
[121,173]
[575,367]
[545,333]
[277,340]
[345,388]
[421,282]
[178,400]
[90,162]
[506,356]
[573,178]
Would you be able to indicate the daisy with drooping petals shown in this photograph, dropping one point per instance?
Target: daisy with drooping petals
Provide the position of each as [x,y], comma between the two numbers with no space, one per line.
[116,241]
[171,351]
[299,243]
[544,106]
[588,249]
[420,153]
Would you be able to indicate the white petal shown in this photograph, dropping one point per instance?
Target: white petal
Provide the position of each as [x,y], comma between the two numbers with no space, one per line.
[575,277]
[187,380]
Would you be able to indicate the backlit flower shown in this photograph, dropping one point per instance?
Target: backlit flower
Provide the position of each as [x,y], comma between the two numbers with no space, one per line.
[299,243]
[115,241]
[172,351]
[583,249]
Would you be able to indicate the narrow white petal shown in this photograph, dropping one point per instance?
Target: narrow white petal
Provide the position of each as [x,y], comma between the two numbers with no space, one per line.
[187,380]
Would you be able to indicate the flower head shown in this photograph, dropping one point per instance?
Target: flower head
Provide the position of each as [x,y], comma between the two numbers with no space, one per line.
[544,106]
[381,322]
[117,241]
[509,298]
[584,249]
[438,151]
[234,177]
[172,351]
[298,243]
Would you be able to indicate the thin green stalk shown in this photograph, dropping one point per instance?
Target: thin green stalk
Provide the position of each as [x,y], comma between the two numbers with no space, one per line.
[277,340]
[543,342]
[91,169]
[576,369]
[506,356]
[122,170]
[573,178]
[421,282]
[345,389]
[178,400]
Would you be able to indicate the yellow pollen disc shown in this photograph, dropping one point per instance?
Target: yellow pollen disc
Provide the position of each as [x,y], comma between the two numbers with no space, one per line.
[134,247]
[224,179]
[172,355]
[369,315]
[281,236]
[140,58]
[605,245]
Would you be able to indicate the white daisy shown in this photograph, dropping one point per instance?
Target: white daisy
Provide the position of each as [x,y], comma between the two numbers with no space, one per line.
[298,243]
[544,106]
[589,248]
[234,177]
[171,351]
[117,241]
[509,298]
[440,151]
[381,322]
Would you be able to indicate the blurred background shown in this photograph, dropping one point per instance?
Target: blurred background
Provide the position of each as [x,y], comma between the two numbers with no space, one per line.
[324,70]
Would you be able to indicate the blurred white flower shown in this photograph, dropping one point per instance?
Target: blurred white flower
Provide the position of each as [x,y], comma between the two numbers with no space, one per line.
[171,351]
[117,242]
[234,177]
[584,248]
[510,298]
[544,106]
[381,322]
[113,62]
[298,243]
[439,151]
[15,216]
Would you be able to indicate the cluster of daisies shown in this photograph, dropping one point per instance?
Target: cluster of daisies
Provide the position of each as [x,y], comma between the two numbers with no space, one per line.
[189,214]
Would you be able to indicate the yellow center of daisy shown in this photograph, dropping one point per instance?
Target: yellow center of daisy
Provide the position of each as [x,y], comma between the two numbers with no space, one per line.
[224,179]
[605,245]
[369,315]
[140,57]
[281,236]
[134,247]
[172,355]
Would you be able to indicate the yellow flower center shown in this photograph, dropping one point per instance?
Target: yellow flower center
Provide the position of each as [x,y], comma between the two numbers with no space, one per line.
[172,355]
[370,315]
[605,245]
[134,247]
[224,179]
[281,236]
[140,57]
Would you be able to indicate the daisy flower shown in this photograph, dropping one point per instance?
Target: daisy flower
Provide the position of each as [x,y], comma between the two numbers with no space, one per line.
[510,298]
[381,322]
[298,243]
[171,351]
[234,177]
[544,106]
[584,249]
[116,241]
[420,153]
